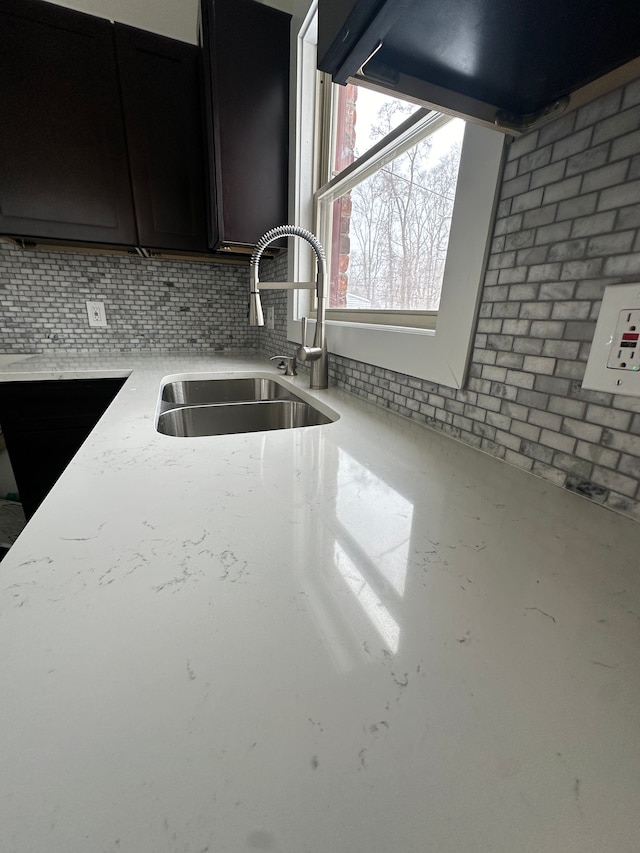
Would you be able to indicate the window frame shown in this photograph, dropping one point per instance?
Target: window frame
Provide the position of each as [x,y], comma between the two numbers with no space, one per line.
[440,355]
[418,126]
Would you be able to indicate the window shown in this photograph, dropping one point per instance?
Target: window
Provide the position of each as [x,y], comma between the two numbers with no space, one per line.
[386,211]
[416,314]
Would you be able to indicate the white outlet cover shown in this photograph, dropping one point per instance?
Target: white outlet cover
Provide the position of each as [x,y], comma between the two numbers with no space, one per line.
[96,314]
[598,376]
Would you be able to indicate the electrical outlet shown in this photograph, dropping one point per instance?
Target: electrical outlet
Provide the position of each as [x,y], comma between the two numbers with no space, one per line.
[270,321]
[96,315]
[624,347]
[614,359]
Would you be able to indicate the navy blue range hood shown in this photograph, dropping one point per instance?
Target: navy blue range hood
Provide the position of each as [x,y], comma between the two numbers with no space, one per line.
[505,63]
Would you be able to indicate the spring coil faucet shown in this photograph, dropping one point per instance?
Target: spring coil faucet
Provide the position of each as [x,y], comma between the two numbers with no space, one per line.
[316,354]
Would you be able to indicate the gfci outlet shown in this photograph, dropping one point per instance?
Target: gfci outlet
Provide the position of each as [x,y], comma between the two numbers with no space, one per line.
[614,360]
[624,347]
[96,314]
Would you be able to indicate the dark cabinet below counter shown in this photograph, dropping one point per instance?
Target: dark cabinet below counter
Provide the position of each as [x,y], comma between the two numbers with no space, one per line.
[102,139]
[44,423]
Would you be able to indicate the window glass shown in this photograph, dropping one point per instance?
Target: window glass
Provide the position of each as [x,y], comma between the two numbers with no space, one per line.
[390,233]
[362,118]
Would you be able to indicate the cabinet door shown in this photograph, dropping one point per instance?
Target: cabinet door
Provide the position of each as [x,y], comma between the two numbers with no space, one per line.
[161,97]
[63,163]
[246,57]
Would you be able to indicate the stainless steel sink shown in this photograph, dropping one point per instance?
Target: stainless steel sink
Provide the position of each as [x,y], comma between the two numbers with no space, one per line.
[200,405]
[237,390]
[192,421]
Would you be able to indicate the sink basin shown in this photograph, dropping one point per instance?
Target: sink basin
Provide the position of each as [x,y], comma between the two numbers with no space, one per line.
[237,390]
[192,421]
[199,405]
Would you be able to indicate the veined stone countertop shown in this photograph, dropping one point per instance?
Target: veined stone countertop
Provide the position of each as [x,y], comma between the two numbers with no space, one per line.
[356,638]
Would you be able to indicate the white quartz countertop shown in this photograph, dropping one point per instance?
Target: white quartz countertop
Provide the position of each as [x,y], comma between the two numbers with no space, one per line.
[363,637]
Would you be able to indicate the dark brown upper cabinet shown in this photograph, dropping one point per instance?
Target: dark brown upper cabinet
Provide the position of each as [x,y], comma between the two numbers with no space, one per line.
[246,80]
[102,137]
[63,162]
[161,99]
[502,63]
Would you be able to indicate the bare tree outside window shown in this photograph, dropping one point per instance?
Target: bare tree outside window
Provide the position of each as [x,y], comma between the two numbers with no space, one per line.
[394,226]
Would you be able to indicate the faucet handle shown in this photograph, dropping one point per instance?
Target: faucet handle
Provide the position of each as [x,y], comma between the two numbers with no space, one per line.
[304,352]
[286,363]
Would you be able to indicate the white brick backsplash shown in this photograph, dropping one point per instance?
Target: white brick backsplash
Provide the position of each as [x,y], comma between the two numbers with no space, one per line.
[620,196]
[626,146]
[529,431]
[596,453]
[567,250]
[612,418]
[628,217]
[601,108]
[558,129]
[523,146]
[528,346]
[518,460]
[510,359]
[575,310]
[544,272]
[629,465]
[572,464]
[527,201]
[585,161]
[547,329]
[565,443]
[616,125]
[568,188]
[512,276]
[581,206]
[611,244]
[150,304]
[548,175]
[540,216]
[547,472]
[546,420]
[617,482]
[597,224]
[572,144]
[582,430]
[520,379]
[607,176]
[622,265]
[539,364]
[554,232]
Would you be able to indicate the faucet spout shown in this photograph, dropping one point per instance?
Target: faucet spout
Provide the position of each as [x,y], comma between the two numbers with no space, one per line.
[316,354]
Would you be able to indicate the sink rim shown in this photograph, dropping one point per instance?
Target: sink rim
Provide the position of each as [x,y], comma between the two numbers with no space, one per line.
[286,391]
[254,406]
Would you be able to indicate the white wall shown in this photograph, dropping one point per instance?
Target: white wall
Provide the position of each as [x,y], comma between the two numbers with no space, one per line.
[177,19]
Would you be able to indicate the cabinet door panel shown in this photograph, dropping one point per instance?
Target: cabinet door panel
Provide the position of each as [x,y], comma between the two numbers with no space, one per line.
[246,55]
[160,85]
[63,162]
